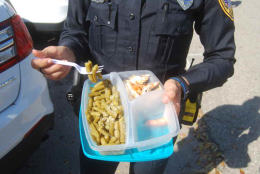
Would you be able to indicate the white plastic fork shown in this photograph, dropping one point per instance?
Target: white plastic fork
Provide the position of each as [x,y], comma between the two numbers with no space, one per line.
[80,69]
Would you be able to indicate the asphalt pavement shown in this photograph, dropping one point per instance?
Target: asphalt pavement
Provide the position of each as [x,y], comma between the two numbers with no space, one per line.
[225,139]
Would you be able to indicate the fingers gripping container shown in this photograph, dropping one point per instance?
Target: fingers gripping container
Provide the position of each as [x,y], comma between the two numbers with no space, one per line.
[149,122]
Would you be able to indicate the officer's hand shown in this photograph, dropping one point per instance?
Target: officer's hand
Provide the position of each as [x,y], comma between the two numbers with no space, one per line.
[173,91]
[44,64]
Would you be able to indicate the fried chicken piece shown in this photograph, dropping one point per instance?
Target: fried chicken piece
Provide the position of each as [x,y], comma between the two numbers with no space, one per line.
[149,87]
[142,79]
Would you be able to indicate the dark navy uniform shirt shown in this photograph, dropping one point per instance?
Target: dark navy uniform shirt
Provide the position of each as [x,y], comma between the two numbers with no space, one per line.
[126,35]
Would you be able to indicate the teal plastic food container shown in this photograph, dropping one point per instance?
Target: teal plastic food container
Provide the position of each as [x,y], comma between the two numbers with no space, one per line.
[144,142]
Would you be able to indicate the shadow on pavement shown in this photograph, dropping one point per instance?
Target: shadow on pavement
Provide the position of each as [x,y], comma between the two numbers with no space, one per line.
[219,139]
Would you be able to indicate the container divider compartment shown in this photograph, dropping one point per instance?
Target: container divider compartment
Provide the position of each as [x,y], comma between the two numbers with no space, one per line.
[108,149]
[115,79]
[126,74]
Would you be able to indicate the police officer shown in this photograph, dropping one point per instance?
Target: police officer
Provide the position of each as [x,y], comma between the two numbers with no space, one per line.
[148,35]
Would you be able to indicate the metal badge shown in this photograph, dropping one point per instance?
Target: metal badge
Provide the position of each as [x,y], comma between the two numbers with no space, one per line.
[98,1]
[185,4]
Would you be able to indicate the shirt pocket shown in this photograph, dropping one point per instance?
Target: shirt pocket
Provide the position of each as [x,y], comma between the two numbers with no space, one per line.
[169,26]
[173,24]
[172,20]
[102,28]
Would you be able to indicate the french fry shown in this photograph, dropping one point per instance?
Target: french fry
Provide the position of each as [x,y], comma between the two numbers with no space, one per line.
[96,108]
[90,103]
[96,125]
[112,140]
[95,114]
[117,134]
[103,131]
[122,129]
[97,104]
[94,132]
[94,94]
[103,141]
[107,93]
[94,71]
[100,97]
[107,138]
[116,131]
[111,128]
[95,139]
[96,118]
[107,127]
[99,86]
[104,113]
[99,75]
[88,66]
[89,117]
[101,123]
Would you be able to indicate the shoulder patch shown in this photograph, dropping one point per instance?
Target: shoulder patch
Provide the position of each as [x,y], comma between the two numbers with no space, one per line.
[227,8]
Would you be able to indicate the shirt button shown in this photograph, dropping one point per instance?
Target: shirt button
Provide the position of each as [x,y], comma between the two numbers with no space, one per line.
[132,16]
[130,49]
[179,29]
[95,18]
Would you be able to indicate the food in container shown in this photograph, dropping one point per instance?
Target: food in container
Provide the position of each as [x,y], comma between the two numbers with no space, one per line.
[105,114]
[139,84]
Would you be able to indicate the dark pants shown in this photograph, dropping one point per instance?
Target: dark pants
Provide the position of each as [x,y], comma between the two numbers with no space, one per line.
[90,166]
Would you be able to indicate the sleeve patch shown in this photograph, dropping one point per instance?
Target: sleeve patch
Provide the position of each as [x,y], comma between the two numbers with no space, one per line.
[227,8]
